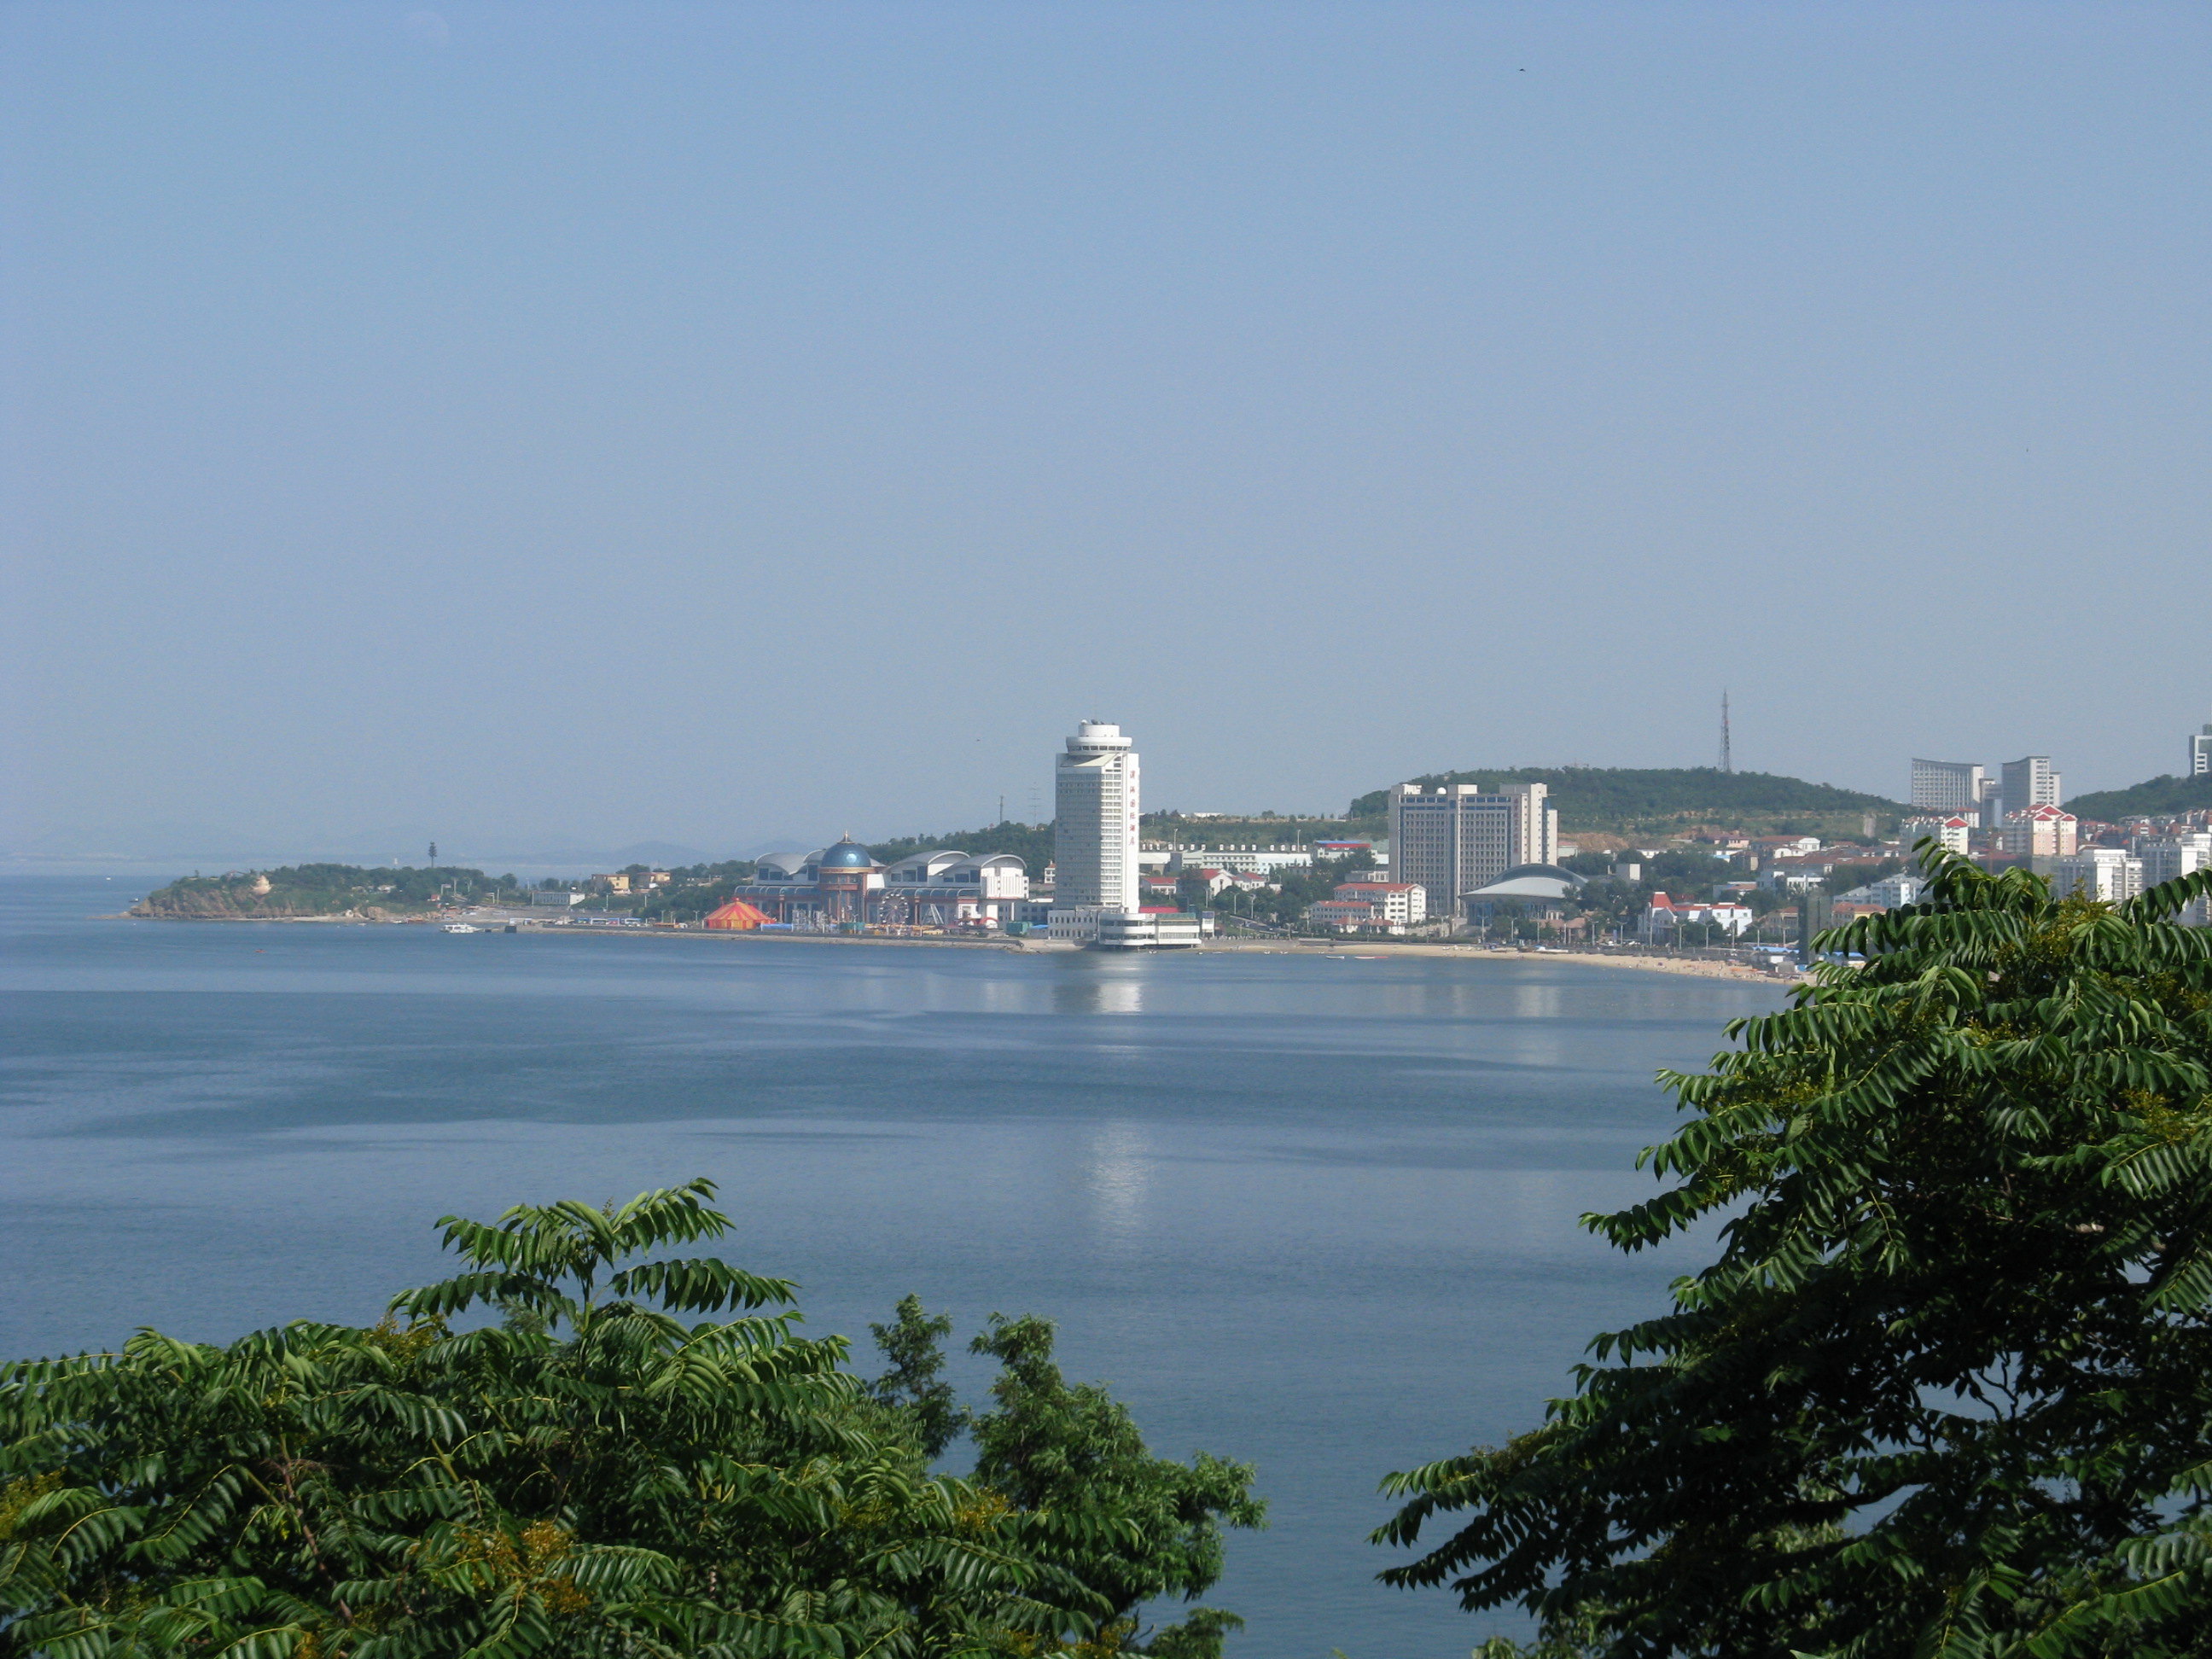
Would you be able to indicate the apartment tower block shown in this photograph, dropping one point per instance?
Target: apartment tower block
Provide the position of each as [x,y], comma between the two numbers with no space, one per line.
[1455,838]
[2030,782]
[1944,788]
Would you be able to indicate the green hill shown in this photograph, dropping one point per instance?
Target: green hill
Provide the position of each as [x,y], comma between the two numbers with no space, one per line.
[2162,797]
[314,890]
[1624,800]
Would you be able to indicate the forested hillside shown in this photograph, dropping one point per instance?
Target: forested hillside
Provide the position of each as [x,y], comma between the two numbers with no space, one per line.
[1029,842]
[2159,798]
[317,890]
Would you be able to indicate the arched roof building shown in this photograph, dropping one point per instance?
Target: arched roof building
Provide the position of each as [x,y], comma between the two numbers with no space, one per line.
[843,885]
[1545,883]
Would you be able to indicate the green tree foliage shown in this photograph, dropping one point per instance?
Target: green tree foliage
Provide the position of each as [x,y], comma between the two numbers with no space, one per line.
[1130,1526]
[1029,842]
[603,1472]
[916,1382]
[1296,888]
[693,891]
[2166,796]
[1948,1388]
[1625,799]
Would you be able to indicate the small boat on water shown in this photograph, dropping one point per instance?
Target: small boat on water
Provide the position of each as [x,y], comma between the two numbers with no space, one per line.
[463,928]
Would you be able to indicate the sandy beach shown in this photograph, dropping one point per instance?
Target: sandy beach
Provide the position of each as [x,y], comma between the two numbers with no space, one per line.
[1373,950]
[1696,967]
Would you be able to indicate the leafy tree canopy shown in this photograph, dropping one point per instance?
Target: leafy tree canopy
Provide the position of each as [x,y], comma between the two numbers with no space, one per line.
[1029,842]
[602,1473]
[1948,1389]
[1131,1525]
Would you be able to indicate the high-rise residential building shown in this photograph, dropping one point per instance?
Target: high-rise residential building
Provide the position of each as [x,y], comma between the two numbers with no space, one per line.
[1946,787]
[2041,832]
[2200,752]
[2166,858]
[2098,872]
[2030,782]
[1455,838]
[1095,831]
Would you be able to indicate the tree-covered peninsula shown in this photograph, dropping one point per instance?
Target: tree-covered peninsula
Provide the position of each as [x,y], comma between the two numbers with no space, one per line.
[319,889]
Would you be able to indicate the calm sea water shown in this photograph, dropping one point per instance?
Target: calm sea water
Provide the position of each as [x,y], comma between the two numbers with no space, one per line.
[1317,1213]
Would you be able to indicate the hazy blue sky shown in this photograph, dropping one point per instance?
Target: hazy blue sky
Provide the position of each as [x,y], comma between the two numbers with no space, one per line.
[731,422]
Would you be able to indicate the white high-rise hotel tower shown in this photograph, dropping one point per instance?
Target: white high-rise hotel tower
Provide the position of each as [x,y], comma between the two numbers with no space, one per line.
[1095,839]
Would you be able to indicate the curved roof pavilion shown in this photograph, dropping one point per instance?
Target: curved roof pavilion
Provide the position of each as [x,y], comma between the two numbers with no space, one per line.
[1530,881]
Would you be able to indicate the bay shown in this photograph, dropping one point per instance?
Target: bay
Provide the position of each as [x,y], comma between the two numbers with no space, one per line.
[1319,1214]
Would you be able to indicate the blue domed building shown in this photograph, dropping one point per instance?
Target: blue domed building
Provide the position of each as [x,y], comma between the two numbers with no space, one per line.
[843,875]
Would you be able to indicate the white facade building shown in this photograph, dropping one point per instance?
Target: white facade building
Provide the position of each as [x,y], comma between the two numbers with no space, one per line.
[1252,860]
[2165,858]
[2200,752]
[2030,782]
[1153,933]
[1946,787]
[1455,838]
[1953,834]
[2098,872]
[1666,918]
[2043,832]
[1095,800]
[1890,892]
[1402,903]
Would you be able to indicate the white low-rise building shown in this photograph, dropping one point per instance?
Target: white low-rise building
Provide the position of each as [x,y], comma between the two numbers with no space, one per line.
[1402,903]
[1246,860]
[1666,917]
[1219,881]
[1953,834]
[1176,930]
[1074,924]
[1890,892]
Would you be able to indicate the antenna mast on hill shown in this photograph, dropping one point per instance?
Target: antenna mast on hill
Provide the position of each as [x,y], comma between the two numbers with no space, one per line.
[1728,756]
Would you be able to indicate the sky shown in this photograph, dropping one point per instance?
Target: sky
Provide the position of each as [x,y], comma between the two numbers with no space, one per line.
[736,423]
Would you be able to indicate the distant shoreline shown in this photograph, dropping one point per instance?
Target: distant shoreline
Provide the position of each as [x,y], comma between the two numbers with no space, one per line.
[1691,967]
